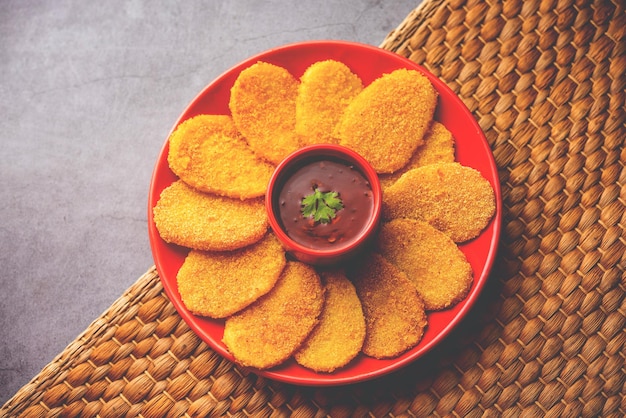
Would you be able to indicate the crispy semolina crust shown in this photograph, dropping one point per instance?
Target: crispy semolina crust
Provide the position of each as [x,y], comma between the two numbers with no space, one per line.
[438,147]
[453,198]
[271,330]
[326,88]
[339,336]
[218,284]
[204,221]
[394,312]
[430,259]
[209,154]
[387,121]
[263,107]
[275,309]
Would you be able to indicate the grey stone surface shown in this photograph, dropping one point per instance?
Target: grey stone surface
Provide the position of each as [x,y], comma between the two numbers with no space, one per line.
[88,92]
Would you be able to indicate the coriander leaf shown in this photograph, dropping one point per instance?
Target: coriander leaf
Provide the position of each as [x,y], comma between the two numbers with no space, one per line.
[332,200]
[322,206]
[309,203]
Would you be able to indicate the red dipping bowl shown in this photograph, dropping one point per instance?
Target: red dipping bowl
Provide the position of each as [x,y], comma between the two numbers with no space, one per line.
[341,252]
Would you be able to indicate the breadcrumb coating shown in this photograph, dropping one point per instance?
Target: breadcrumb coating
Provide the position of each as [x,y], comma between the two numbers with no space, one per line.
[263,107]
[326,88]
[453,198]
[218,284]
[394,312]
[387,121]
[438,147]
[430,259]
[271,330]
[339,336]
[275,309]
[205,221]
[209,154]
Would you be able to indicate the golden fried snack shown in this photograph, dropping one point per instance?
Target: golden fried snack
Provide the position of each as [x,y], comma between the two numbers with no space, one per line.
[438,147]
[218,284]
[263,106]
[339,336]
[204,221]
[387,121]
[208,153]
[453,198]
[430,259]
[394,312]
[270,330]
[326,88]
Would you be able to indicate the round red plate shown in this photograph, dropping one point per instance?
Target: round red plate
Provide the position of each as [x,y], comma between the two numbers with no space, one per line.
[369,63]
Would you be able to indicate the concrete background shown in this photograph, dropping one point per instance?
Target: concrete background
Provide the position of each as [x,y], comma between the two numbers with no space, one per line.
[88,92]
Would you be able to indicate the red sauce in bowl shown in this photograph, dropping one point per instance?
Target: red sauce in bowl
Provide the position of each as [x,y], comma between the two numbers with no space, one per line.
[354,222]
[326,175]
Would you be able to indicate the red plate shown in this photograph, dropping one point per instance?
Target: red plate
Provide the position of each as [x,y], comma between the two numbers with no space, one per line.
[369,63]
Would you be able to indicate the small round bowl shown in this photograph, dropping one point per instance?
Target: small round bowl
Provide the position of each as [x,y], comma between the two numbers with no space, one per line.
[335,253]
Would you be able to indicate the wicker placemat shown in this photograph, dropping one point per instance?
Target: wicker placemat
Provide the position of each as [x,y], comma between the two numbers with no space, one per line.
[545,79]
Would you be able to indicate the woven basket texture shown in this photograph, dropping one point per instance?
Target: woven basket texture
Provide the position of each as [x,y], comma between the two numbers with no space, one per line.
[546,82]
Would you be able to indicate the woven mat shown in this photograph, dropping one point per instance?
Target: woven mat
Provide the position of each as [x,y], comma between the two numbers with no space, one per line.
[546,81]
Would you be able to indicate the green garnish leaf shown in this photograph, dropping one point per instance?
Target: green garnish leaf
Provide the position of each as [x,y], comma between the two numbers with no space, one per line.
[322,206]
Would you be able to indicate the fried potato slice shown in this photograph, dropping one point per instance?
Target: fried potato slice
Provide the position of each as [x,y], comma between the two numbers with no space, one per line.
[438,147]
[326,88]
[339,336]
[208,153]
[218,284]
[271,330]
[453,198]
[430,259]
[204,221]
[394,312]
[387,121]
[263,107]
